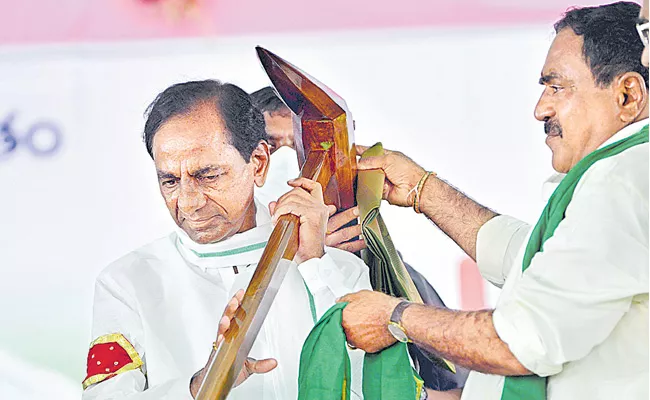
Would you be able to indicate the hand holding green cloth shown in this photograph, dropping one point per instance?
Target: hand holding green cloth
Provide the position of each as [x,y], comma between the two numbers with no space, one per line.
[387,271]
[325,366]
[533,387]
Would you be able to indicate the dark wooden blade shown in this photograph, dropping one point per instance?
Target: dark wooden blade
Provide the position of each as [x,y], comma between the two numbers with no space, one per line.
[322,120]
[303,94]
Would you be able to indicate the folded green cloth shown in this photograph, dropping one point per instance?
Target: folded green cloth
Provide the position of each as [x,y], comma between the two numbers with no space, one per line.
[325,366]
[387,271]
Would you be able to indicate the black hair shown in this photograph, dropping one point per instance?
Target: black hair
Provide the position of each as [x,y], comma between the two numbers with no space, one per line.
[611,43]
[244,122]
[268,100]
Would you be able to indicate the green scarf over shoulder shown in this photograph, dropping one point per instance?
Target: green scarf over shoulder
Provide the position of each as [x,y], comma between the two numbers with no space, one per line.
[533,387]
[325,366]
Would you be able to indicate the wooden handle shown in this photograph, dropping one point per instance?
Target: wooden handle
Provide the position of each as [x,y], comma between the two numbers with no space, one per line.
[264,285]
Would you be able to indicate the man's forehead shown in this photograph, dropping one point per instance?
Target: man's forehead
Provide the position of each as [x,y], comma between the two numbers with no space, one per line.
[182,141]
[564,56]
[566,43]
[194,161]
[198,132]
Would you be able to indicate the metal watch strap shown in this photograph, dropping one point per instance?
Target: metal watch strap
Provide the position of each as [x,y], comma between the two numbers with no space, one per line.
[396,316]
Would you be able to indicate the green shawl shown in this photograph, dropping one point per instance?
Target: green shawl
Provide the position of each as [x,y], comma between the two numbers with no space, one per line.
[533,387]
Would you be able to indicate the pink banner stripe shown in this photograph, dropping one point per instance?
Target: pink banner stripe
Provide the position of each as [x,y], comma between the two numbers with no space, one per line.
[37,21]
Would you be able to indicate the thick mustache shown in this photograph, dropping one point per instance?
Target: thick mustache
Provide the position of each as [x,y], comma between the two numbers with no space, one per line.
[552,127]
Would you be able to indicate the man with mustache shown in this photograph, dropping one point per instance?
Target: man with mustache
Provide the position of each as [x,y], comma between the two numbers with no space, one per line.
[572,318]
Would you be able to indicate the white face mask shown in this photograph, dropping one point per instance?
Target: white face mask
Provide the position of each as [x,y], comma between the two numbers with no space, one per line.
[283,167]
[287,157]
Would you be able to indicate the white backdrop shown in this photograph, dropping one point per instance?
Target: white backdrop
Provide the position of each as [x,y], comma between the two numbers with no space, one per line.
[460,102]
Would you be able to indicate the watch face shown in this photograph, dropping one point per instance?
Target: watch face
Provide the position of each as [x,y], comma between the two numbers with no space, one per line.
[397,332]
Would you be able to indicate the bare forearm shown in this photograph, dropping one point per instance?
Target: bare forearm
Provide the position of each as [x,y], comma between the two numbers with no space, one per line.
[456,214]
[462,337]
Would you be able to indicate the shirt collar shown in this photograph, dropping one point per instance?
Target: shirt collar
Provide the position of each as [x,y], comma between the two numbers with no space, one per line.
[243,248]
[554,180]
[625,132]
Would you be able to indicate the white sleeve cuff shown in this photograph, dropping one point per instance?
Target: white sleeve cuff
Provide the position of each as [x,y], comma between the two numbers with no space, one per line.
[497,244]
[322,273]
[515,327]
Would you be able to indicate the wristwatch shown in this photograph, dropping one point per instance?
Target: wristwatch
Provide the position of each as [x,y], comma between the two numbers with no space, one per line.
[395,324]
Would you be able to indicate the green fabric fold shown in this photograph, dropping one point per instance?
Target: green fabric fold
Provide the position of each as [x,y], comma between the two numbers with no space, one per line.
[533,387]
[397,380]
[387,271]
[324,363]
[324,372]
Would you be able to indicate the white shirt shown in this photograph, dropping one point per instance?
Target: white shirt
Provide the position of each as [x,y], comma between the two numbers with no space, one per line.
[579,314]
[167,298]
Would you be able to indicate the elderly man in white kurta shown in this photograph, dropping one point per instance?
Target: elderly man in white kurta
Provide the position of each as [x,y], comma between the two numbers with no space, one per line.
[571,322]
[157,309]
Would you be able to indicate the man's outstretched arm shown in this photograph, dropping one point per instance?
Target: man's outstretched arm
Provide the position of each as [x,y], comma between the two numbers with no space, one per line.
[466,338]
[454,213]
[451,210]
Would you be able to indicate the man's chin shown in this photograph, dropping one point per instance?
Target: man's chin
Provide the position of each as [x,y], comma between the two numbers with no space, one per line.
[560,165]
[206,237]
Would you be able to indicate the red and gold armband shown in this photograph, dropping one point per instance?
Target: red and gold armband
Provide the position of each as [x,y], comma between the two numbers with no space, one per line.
[110,355]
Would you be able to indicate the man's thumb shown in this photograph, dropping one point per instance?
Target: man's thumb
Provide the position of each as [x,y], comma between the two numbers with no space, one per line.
[261,366]
[370,163]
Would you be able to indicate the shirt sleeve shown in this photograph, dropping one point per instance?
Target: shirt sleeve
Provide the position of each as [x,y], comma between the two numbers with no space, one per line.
[576,291]
[497,245]
[334,275]
[117,327]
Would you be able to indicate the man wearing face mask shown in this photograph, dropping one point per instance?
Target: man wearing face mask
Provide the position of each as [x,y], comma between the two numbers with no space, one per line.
[572,318]
[279,128]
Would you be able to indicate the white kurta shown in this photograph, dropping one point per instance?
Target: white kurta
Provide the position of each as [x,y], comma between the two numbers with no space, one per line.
[168,297]
[579,314]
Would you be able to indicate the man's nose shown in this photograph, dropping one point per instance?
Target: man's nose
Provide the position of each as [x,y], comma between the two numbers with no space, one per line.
[543,109]
[190,198]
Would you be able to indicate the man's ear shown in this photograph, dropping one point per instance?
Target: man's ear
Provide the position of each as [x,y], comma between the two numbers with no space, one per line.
[260,159]
[631,96]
